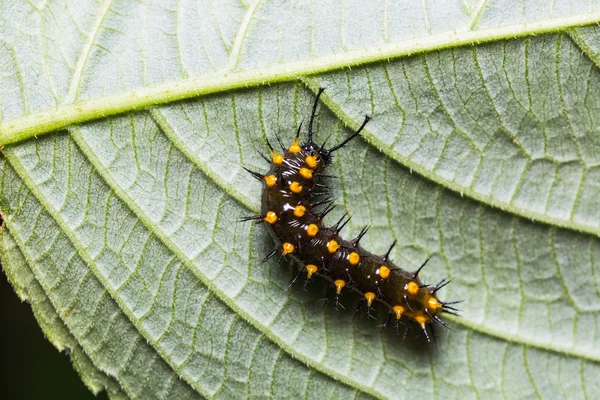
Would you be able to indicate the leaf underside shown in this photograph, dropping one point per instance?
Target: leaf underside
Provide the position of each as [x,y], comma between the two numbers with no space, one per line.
[122,232]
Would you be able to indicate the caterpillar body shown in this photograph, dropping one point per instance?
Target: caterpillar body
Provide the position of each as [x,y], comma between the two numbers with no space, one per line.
[294,203]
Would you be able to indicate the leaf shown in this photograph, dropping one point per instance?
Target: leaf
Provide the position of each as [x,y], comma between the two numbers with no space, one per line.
[120,218]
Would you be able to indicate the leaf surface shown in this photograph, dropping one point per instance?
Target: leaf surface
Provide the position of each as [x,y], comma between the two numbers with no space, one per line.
[122,230]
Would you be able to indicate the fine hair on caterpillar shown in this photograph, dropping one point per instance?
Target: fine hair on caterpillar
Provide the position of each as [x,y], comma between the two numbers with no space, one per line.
[295,201]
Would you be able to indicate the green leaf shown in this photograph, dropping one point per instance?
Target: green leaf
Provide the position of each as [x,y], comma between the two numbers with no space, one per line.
[28,289]
[120,217]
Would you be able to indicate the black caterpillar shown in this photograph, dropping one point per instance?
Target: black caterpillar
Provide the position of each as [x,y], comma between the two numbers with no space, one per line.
[293,189]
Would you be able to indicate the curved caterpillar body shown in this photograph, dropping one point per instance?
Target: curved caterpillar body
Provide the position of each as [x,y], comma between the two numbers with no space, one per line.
[294,203]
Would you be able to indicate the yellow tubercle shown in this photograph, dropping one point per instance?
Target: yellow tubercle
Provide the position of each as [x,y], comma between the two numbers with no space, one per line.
[310,270]
[412,288]
[295,147]
[433,303]
[353,258]
[312,230]
[422,320]
[383,272]
[277,158]
[339,285]
[299,211]
[271,217]
[398,310]
[306,173]
[271,180]
[370,296]
[287,248]
[311,161]
[295,187]
[332,246]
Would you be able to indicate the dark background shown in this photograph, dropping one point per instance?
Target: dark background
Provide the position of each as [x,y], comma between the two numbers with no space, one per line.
[32,368]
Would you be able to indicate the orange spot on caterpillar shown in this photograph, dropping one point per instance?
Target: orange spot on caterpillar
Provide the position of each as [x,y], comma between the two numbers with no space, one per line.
[299,211]
[353,258]
[339,285]
[295,187]
[412,288]
[306,173]
[422,320]
[295,147]
[277,158]
[370,296]
[332,246]
[287,248]
[311,161]
[312,230]
[311,269]
[271,180]
[398,310]
[271,217]
[383,272]
[433,303]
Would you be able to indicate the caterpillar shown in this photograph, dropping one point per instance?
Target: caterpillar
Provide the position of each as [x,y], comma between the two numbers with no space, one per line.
[294,203]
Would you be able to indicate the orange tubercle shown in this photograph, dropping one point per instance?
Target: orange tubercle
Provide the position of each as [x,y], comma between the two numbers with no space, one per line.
[353,258]
[271,180]
[339,285]
[306,173]
[370,296]
[310,270]
[277,158]
[295,187]
[412,288]
[287,248]
[311,161]
[299,211]
[271,217]
[295,147]
[383,272]
[332,246]
[433,303]
[398,310]
[422,320]
[312,230]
